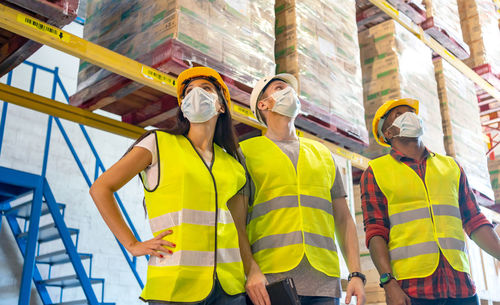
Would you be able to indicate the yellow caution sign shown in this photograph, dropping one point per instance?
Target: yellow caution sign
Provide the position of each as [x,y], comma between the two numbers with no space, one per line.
[42,27]
[156,75]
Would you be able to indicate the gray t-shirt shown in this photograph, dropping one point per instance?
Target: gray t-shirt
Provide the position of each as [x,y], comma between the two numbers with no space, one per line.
[308,280]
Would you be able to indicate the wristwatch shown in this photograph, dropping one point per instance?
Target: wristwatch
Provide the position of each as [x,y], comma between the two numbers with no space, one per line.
[385,278]
[357,274]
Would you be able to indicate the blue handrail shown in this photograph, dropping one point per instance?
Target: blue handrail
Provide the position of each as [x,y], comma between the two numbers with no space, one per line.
[57,83]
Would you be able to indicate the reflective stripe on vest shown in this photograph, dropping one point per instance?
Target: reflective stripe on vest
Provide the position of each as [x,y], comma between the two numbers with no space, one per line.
[439,210]
[191,201]
[292,212]
[425,218]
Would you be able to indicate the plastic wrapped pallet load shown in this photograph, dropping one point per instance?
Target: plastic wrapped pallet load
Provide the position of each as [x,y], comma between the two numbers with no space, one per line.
[479,20]
[443,23]
[317,42]
[463,137]
[236,37]
[396,64]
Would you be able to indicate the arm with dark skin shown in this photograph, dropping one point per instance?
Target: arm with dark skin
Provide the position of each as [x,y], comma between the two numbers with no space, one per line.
[377,228]
[380,256]
[487,239]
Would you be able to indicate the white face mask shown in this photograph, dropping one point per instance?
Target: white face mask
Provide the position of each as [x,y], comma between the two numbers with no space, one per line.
[198,105]
[286,102]
[410,125]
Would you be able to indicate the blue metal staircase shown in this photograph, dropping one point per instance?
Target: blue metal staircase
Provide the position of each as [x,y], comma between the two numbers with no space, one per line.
[26,200]
[36,219]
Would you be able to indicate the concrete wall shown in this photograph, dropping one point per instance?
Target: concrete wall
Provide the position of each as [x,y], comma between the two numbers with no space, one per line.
[22,149]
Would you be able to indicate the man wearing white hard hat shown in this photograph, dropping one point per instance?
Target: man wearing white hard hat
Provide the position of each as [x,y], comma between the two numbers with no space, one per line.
[296,206]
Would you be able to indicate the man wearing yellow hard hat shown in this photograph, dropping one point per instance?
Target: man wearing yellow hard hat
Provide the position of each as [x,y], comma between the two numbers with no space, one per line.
[297,206]
[415,204]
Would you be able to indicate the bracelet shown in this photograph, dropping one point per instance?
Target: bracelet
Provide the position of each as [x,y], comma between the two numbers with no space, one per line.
[357,274]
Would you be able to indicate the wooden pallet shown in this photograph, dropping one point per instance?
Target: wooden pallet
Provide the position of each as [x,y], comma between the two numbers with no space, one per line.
[411,8]
[453,44]
[489,107]
[14,49]
[370,16]
[143,106]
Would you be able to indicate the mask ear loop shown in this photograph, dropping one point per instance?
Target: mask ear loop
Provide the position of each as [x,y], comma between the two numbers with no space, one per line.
[379,129]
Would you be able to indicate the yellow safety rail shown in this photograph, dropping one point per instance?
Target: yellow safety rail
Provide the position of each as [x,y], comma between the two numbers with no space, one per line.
[45,105]
[43,33]
[436,46]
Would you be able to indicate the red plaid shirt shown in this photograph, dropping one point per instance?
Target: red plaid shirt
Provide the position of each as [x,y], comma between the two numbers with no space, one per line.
[445,282]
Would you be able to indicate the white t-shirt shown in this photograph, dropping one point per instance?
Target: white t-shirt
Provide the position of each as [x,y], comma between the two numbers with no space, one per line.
[150,174]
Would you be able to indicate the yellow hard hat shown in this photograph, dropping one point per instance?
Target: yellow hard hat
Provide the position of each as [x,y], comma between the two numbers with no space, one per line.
[201,72]
[379,118]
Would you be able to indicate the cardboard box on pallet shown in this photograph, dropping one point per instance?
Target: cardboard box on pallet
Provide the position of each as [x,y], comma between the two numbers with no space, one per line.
[494,170]
[443,24]
[479,21]
[445,14]
[463,135]
[237,35]
[316,41]
[396,64]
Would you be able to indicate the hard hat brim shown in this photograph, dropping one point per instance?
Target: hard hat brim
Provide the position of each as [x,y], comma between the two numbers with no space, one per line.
[383,110]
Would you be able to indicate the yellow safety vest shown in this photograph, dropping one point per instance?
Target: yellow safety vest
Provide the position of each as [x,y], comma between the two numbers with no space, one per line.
[190,199]
[292,212]
[424,218]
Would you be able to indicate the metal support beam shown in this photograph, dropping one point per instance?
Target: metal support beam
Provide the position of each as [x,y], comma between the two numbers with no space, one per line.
[42,104]
[31,245]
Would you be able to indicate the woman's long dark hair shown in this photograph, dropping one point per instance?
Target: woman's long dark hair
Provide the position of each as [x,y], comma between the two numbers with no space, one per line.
[224,135]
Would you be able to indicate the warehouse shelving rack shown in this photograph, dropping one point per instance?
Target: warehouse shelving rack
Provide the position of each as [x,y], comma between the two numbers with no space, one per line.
[43,33]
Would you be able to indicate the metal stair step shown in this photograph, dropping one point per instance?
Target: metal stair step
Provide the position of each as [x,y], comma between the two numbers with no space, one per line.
[24,210]
[80,302]
[67,281]
[59,257]
[48,232]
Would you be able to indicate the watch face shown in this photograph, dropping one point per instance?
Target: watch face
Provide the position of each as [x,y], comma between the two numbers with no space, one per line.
[384,277]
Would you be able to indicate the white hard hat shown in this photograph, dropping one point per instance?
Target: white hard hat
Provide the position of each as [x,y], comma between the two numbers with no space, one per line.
[262,84]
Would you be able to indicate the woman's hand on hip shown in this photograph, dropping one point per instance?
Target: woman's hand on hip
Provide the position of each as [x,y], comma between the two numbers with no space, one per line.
[156,246]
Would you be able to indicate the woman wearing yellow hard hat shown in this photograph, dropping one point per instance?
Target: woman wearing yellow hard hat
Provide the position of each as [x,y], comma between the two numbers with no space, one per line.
[189,173]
